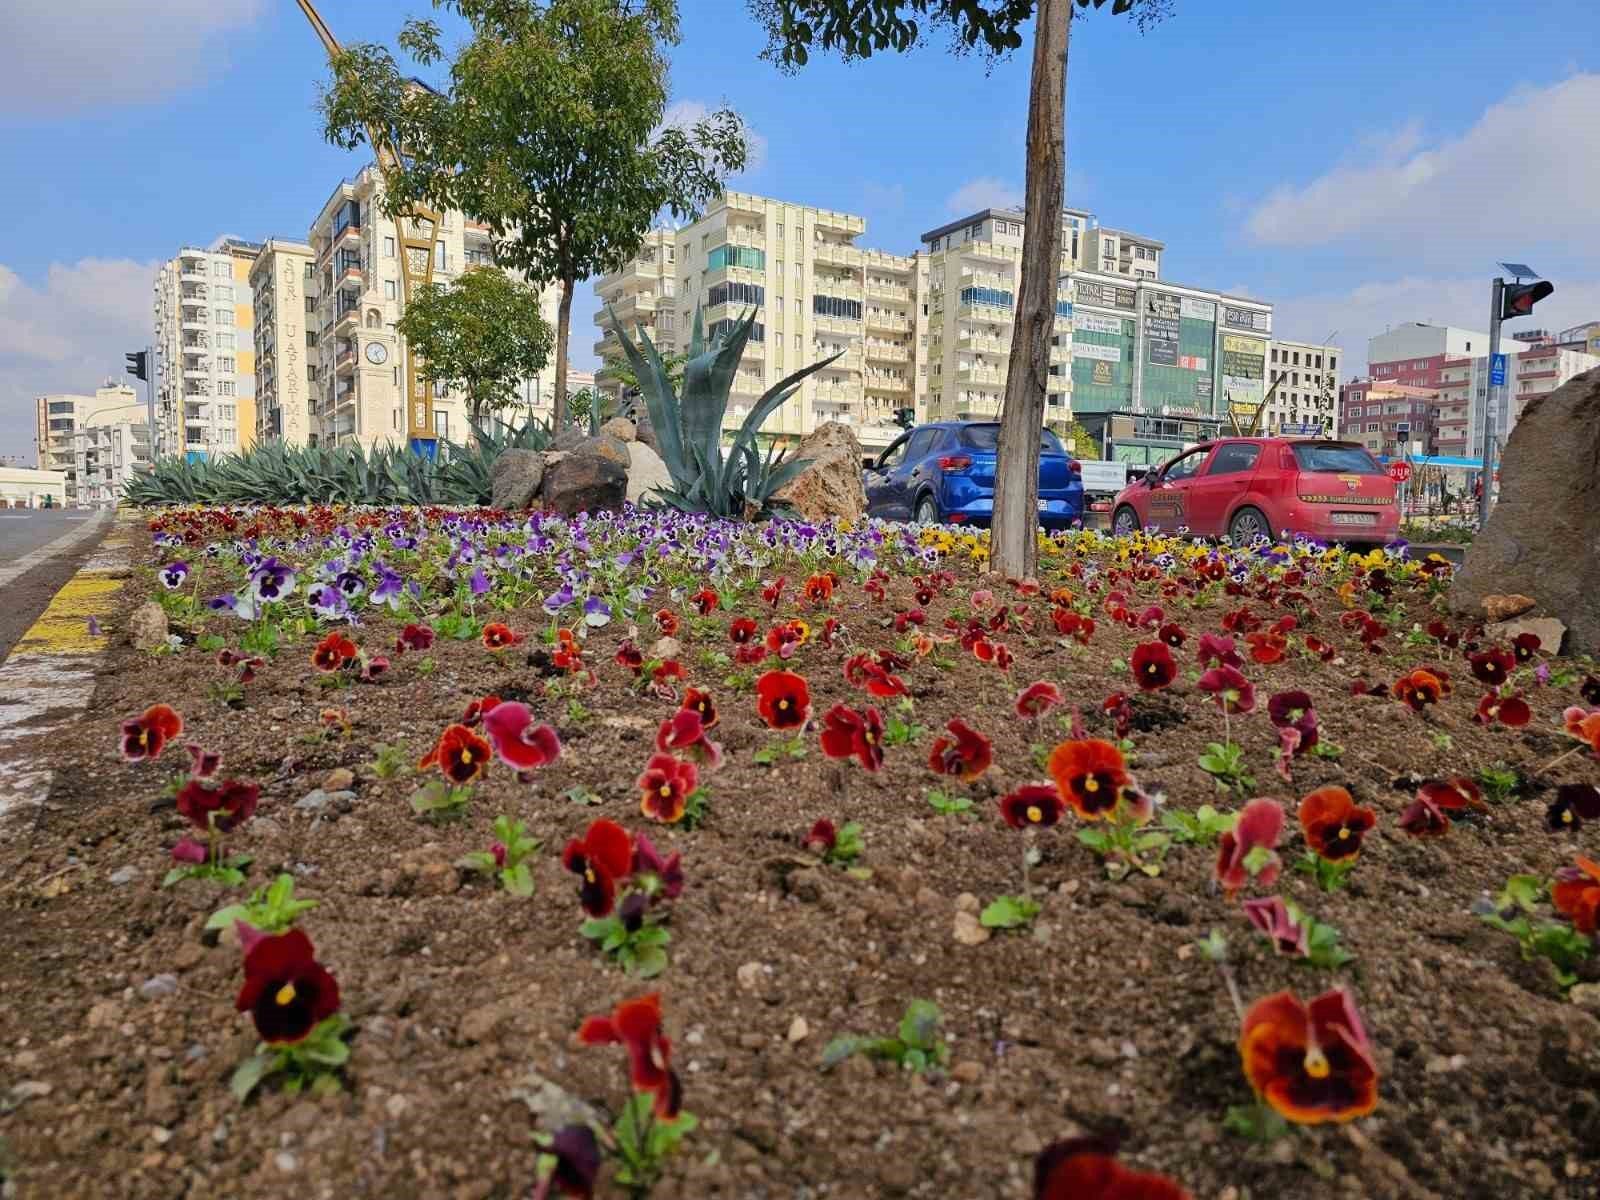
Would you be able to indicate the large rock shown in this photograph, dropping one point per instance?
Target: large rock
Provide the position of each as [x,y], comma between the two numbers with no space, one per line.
[1543,538]
[831,486]
[643,430]
[584,483]
[569,438]
[620,428]
[646,473]
[606,446]
[147,627]
[514,479]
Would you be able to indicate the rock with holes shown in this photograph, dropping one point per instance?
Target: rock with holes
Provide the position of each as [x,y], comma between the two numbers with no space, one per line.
[1543,539]
[147,627]
[514,479]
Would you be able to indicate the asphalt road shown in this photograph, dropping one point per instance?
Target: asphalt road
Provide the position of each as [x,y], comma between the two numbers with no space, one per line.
[33,566]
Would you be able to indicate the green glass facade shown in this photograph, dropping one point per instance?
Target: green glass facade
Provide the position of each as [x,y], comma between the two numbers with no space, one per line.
[747,257]
[1102,363]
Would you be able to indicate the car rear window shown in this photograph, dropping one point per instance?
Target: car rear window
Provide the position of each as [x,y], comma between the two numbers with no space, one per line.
[1335,459]
[987,437]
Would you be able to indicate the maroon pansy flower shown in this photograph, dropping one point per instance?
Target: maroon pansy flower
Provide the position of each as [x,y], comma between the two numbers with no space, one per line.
[1037,699]
[1229,690]
[224,806]
[1259,826]
[203,763]
[1525,645]
[684,732]
[146,736]
[1153,666]
[1036,805]
[1216,651]
[1574,804]
[286,991]
[961,751]
[521,744]
[665,788]
[601,858]
[1492,666]
[853,733]
[1271,916]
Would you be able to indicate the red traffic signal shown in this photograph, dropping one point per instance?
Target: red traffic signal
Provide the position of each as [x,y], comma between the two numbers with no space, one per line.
[1518,299]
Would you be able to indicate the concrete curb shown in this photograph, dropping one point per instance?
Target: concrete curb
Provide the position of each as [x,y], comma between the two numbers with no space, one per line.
[47,681]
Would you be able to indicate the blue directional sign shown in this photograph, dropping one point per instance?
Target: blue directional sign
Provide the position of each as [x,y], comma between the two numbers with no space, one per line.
[1497,370]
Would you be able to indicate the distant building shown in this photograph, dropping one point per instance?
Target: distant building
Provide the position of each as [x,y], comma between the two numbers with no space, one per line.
[641,294]
[282,286]
[22,487]
[1414,354]
[59,417]
[205,352]
[1306,399]
[1388,418]
[106,456]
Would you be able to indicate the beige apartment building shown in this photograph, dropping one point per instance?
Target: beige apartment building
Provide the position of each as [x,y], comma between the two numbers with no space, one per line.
[357,388]
[817,293]
[1306,401]
[205,355]
[1116,252]
[61,416]
[282,287]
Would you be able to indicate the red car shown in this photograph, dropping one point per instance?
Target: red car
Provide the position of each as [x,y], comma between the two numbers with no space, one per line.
[1250,487]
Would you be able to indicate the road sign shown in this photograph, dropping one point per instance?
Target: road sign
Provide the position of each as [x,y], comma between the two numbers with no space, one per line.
[1497,371]
[1399,471]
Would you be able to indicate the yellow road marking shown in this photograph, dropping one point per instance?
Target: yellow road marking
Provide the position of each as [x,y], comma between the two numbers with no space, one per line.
[63,627]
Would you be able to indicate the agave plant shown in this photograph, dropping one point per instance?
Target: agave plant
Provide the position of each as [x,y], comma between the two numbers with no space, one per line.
[689,429]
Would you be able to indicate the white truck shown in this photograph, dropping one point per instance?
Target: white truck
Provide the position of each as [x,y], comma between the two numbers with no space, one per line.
[1103,479]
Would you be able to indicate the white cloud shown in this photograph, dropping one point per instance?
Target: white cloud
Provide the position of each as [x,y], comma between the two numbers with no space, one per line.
[66,334]
[684,114]
[69,56]
[1365,311]
[1528,168]
[979,194]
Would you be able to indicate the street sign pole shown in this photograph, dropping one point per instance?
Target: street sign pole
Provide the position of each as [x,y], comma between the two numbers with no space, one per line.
[1496,292]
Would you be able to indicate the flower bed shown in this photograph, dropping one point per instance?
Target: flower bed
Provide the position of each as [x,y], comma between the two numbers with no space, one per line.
[1248,860]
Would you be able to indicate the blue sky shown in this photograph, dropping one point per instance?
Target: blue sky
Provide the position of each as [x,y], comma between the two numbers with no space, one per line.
[1357,163]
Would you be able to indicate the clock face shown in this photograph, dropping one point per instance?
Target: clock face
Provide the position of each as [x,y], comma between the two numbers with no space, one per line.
[377,352]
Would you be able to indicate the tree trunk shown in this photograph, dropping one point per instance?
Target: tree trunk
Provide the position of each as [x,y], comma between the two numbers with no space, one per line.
[563,327]
[1013,544]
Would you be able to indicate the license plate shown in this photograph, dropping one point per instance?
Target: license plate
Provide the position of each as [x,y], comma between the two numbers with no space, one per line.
[1044,506]
[1355,518]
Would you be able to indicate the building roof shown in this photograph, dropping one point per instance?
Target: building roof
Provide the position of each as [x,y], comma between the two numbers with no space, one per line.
[1008,214]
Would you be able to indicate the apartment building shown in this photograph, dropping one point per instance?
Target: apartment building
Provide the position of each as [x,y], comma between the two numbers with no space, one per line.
[1414,354]
[283,301]
[357,389]
[1117,252]
[106,455]
[1389,418]
[642,295]
[59,416]
[974,270]
[1306,399]
[204,344]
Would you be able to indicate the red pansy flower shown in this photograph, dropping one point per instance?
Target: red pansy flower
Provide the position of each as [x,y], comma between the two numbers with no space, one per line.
[783,700]
[286,991]
[773,592]
[1525,646]
[602,857]
[1271,916]
[1087,1169]
[665,787]
[414,637]
[225,806]
[146,736]
[1424,818]
[666,621]
[1454,794]
[1574,804]
[849,733]
[702,703]
[333,652]
[823,835]
[1090,775]
[636,1025]
[1073,625]
[1510,710]
[1229,690]
[497,636]
[863,671]
[1259,826]
[741,630]
[1036,804]
[1037,699]
[818,589]
[1153,666]
[461,755]
[908,618]
[1173,635]
[784,638]
[629,656]
[521,745]
[961,751]
[1419,688]
[1492,666]
[705,602]
[1334,824]
[831,629]
[1576,895]
[1267,647]
[1310,1063]
[1318,648]
[684,732]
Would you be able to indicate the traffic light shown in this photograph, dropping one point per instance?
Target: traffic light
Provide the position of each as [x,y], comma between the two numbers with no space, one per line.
[138,364]
[1518,299]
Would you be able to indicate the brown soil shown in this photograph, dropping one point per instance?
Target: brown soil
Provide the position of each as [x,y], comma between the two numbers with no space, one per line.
[1103,1018]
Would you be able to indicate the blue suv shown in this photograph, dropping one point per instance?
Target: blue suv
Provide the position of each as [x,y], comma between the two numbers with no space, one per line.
[945,473]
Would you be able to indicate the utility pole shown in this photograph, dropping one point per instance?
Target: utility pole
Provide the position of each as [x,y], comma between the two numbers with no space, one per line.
[1497,295]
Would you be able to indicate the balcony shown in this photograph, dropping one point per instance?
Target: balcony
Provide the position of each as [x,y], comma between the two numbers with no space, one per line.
[887,320]
[850,360]
[631,278]
[197,387]
[886,352]
[887,383]
[888,291]
[346,319]
[836,254]
[345,364]
[984,345]
[986,252]
[196,318]
[631,309]
[195,268]
[196,362]
[985,314]
[195,291]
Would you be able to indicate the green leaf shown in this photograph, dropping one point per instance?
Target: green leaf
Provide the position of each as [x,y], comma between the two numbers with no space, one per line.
[518,880]
[649,961]
[224,918]
[920,1025]
[840,1049]
[247,1076]
[1009,912]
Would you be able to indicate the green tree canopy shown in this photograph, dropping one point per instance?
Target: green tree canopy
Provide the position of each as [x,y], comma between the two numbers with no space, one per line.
[481,335]
[859,28]
[549,130]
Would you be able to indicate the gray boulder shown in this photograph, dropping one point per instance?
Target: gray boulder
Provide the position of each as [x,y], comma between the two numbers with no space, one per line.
[569,438]
[514,479]
[620,428]
[583,482]
[1543,538]
[606,446]
[646,473]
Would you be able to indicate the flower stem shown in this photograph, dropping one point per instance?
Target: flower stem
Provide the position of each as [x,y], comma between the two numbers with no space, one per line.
[1226,968]
[1559,759]
[1027,846]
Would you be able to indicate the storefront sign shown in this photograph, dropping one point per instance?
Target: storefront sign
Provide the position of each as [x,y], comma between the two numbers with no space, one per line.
[1108,354]
[1101,373]
[1247,318]
[1199,310]
[1090,323]
[1104,294]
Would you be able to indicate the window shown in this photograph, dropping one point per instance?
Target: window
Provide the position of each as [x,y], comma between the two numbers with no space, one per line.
[797,336]
[226,341]
[722,328]
[1184,467]
[833,306]
[736,293]
[224,316]
[986,436]
[1373,427]
[894,455]
[665,321]
[225,365]
[225,387]
[441,260]
[921,442]
[389,292]
[986,295]
[747,257]
[220,270]
[388,247]
[441,423]
[1341,460]
[1274,354]
[780,228]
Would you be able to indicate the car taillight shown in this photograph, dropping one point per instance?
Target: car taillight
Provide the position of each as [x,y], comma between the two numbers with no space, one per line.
[955,462]
[1075,466]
